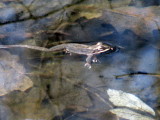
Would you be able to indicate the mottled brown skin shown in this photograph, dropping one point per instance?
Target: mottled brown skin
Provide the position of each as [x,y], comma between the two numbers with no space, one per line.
[89,50]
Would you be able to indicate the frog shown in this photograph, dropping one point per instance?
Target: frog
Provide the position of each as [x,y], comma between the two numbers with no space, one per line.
[82,49]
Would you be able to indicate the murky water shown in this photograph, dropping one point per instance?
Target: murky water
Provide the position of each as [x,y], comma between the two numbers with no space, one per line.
[38,85]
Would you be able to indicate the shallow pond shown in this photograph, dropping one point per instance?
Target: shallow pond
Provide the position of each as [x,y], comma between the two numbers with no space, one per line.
[37,85]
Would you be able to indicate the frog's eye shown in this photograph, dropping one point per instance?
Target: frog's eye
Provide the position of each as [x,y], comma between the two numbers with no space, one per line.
[99,43]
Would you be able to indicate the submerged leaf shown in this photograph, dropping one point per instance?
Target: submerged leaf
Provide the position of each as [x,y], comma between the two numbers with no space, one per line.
[129,114]
[122,99]
[12,75]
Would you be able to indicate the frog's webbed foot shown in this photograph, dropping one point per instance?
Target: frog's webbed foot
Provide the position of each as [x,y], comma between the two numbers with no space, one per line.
[95,59]
[88,65]
[88,61]
[67,51]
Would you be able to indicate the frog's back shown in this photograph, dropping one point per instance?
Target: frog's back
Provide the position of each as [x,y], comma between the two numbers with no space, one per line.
[79,49]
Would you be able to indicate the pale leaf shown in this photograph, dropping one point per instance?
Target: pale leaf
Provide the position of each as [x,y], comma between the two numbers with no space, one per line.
[12,74]
[122,99]
[129,114]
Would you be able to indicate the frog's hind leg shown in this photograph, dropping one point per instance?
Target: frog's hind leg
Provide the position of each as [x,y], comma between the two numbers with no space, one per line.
[88,61]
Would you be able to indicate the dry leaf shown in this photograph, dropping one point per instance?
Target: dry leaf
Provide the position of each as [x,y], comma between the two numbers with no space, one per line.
[12,75]
[129,114]
[122,99]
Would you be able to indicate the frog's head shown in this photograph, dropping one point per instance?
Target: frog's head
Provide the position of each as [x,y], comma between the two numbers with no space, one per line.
[100,48]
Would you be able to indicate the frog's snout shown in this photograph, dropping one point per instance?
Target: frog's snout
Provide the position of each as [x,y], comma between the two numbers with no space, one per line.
[114,49]
[111,48]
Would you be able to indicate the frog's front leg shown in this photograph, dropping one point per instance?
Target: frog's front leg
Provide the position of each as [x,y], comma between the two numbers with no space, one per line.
[95,59]
[67,51]
[88,61]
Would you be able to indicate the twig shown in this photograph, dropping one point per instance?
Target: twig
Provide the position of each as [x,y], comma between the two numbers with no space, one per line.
[137,73]
[89,89]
